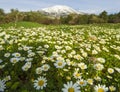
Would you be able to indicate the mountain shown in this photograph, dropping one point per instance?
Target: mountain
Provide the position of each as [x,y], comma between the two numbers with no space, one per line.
[59,10]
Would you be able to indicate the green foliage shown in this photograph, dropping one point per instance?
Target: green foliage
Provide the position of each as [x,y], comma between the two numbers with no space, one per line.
[103,15]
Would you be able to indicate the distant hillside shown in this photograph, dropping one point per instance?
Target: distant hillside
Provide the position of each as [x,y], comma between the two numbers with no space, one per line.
[59,10]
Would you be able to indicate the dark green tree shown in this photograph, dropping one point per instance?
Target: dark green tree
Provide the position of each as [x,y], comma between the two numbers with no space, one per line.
[2,15]
[104,16]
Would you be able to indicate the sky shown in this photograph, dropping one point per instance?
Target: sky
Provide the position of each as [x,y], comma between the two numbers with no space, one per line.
[87,6]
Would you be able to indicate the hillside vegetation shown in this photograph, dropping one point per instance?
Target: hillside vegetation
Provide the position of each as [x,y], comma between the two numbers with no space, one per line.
[71,19]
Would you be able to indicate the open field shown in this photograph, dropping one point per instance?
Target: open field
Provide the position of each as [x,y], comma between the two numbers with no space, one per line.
[39,58]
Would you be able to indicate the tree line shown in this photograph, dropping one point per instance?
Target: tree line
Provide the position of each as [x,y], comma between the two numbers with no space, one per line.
[72,19]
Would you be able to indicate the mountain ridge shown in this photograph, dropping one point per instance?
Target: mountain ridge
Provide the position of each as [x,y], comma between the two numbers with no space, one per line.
[59,10]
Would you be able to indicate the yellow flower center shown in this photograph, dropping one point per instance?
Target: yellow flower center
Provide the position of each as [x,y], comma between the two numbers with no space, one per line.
[71,90]
[14,61]
[40,83]
[77,74]
[60,63]
[17,55]
[45,67]
[110,71]
[100,90]
[81,82]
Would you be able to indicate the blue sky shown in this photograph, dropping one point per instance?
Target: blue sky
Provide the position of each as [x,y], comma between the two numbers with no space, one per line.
[88,6]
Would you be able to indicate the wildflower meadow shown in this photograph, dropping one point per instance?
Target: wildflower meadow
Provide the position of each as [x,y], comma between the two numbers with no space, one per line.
[83,58]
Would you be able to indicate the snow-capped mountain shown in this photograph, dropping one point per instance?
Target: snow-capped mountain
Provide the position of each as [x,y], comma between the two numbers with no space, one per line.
[59,10]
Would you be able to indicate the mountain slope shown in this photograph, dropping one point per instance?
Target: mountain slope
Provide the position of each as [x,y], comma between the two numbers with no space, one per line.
[59,10]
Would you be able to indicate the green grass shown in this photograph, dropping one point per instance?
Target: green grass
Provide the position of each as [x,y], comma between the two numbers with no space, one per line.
[21,24]
[33,24]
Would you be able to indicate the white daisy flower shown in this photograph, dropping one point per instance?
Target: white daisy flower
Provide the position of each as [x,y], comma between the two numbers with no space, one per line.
[68,48]
[40,83]
[100,88]
[26,66]
[45,67]
[2,85]
[110,70]
[101,60]
[22,58]
[94,52]
[112,88]
[70,87]
[82,65]
[68,62]
[39,70]
[84,54]
[16,54]
[6,54]
[46,46]
[82,82]
[77,75]
[78,57]
[14,60]
[97,78]
[90,81]
[98,66]
[60,64]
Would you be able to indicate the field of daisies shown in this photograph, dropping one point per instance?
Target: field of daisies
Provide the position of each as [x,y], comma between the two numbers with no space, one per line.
[83,58]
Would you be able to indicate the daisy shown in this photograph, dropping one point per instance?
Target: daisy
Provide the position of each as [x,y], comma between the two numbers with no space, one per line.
[70,87]
[110,70]
[14,60]
[82,82]
[77,75]
[16,54]
[78,57]
[46,46]
[101,60]
[97,78]
[82,66]
[68,48]
[39,70]
[40,83]
[45,67]
[26,66]
[90,81]
[98,66]
[6,54]
[2,85]
[84,54]
[94,52]
[112,88]
[101,88]
[60,64]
